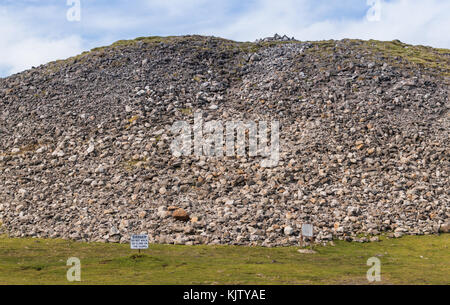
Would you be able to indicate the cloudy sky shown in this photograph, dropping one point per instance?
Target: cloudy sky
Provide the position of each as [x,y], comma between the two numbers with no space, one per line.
[33,32]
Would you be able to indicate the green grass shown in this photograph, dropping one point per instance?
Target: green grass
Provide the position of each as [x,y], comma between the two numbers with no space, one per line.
[392,51]
[420,55]
[409,260]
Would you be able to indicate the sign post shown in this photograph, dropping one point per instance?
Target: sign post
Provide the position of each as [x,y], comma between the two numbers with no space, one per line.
[307,231]
[139,242]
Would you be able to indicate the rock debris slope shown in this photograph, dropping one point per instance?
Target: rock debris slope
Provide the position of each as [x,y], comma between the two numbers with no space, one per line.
[364,144]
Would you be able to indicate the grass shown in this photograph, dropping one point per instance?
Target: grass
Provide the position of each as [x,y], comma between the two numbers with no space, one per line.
[409,260]
[186,111]
[392,51]
[132,164]
[131,121]
[421,56]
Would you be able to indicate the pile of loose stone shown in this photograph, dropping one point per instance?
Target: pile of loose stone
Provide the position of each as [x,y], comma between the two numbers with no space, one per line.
[364,144]
[276,37]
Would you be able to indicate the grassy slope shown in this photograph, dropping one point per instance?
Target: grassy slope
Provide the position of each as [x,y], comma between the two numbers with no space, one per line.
[409,260]
[416,55]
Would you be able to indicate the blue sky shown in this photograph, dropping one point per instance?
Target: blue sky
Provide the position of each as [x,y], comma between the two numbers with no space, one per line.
[33,32]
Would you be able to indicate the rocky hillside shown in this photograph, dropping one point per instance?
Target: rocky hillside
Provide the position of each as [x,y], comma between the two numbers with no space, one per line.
[364,142]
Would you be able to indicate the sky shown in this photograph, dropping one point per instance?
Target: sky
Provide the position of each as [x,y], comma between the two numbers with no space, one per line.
[34,32]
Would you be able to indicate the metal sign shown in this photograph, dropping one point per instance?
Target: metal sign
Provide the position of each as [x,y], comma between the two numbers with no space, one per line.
[139,242]
[307,230]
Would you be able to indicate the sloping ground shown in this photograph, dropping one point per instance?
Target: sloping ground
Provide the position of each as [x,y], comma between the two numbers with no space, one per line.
[412,260]
[364,145]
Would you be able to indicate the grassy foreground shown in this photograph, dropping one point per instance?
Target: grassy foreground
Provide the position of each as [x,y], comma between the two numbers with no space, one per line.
[409,260]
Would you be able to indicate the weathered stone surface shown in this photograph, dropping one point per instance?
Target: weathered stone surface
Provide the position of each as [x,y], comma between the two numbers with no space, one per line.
[85,143]
[180,214]
[445,228]
[306,251]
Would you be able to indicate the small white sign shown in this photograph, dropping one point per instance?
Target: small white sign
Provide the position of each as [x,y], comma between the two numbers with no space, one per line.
[307,230]
[139,242]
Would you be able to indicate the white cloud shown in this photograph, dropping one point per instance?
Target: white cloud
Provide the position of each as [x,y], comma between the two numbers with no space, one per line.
[266,18]
[179,8]
[411,21]
[28,52]
[24,46]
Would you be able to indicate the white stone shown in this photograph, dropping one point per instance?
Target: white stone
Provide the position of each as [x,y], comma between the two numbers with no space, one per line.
[288,230]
